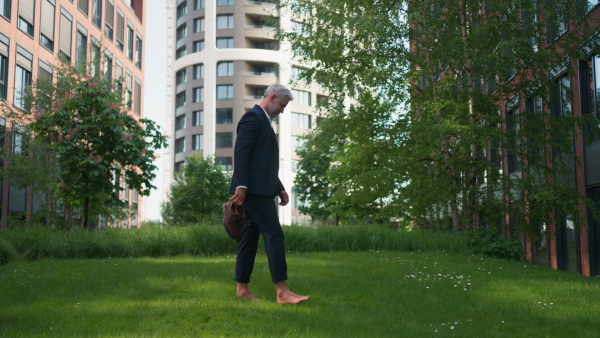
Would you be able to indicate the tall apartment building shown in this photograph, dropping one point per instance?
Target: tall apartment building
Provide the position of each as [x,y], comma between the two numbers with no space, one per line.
[225,56]
[33,33]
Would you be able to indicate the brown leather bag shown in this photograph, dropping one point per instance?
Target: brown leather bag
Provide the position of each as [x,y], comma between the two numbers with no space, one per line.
[233,220]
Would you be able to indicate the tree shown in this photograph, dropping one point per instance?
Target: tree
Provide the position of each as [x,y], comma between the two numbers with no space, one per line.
[91,140]
[424,133]
[198,193]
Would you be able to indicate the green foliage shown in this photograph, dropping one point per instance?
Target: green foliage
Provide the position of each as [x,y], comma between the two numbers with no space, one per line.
[491,242]
[411,127]
[199,191]
[87,139]
[7,252]
[32,243]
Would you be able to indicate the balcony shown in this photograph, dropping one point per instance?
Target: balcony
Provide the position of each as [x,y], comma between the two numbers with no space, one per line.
[272,74]
[262,8]
[262,3]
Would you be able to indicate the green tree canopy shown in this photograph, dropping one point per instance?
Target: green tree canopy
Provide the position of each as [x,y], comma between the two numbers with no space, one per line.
[429,101]
[93,141]
[199,191]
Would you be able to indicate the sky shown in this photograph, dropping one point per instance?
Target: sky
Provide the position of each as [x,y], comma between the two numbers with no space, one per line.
[155,92]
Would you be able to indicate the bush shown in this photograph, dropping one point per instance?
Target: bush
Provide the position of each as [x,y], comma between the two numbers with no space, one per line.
[7,252]
[491,242]
[210,239]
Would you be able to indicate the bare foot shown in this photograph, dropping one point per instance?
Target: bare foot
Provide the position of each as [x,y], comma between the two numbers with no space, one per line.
[243,293]
[289,297]
[285,296]
[247,295]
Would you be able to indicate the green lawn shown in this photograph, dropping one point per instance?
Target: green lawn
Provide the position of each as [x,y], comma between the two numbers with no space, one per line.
[363,294]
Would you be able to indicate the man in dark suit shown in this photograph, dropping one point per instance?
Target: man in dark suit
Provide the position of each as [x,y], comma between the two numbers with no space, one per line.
[255,183]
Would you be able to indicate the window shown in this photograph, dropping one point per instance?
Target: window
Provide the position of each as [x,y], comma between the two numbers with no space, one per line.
[198,94]
[4,43]
[180,99]
[263,70]
[269,45]
[224,140]
[224,43]
[18,140]
[299,74]
[47,25]
[298,142]
[138,52]
[556,25]
[178,166]
[5,8]
[97,13]
[181,31]
[22,75]
[197,118]
[109,22]
[182,9]
[108,66]
[66,26]
[26,14]
[180,52]
[198,71]
[180,122]
[595,92]
[226,163]
[83,6]
[44,71]
[225,116]
[181,77]
[129,43]
[81,46]
[560,106]
[300,29]
[225,2]
[95,58]
[225,68]
[119,76]
[197,142]
[301,98]
[180,145]
[137,96]
[225,21]
[128,89]
[300,120]
[198,46]
[225,92]
[198,25]
[120,30]
[198,4]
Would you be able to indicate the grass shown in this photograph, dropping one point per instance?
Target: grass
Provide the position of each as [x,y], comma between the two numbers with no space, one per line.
[33,243]
[357,294]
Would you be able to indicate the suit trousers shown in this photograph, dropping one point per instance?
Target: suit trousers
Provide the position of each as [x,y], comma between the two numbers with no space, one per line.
[261,218]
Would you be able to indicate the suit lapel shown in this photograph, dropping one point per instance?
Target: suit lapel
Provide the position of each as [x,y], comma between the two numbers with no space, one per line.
[266,121]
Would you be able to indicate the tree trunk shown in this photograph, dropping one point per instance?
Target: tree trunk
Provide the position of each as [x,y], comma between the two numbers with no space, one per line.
[86,210]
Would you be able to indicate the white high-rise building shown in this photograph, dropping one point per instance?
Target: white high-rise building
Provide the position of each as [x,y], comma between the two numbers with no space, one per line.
[224,57]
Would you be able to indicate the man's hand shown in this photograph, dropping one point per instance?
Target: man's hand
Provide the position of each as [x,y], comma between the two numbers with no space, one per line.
[284,199]
[239,196]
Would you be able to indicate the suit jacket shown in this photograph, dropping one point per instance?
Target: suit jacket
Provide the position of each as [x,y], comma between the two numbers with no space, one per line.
[256,155]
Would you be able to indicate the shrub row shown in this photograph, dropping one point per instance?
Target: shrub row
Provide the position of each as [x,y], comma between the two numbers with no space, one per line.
[33,243]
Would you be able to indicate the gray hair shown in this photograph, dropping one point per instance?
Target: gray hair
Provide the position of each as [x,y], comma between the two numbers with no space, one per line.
[279,90]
